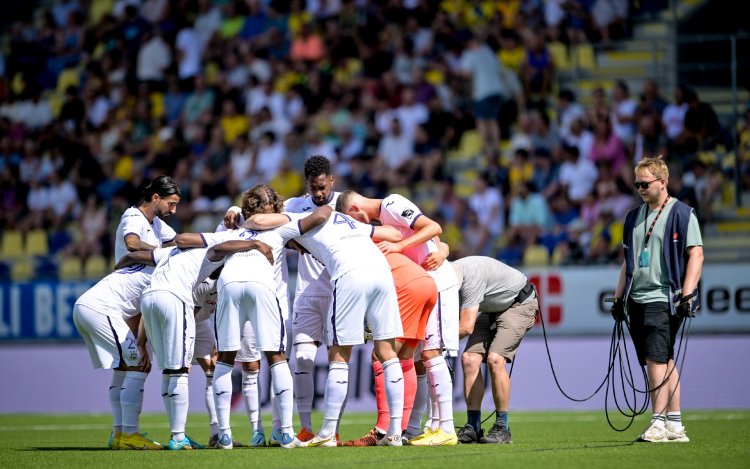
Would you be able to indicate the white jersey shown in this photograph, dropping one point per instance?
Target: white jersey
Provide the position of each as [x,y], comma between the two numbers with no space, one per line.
[119,293]
[133,221]
[401,213]
[181,270]
[312,277]
[204,299]
[342,244]
[246,266]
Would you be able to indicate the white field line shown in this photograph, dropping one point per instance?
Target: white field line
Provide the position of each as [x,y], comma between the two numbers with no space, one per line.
[519,419]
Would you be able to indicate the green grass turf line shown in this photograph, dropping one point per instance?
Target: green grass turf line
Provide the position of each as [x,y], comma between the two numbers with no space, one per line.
[540,439]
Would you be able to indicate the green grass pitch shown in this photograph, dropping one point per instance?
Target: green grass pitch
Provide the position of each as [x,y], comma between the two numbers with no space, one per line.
[540,439]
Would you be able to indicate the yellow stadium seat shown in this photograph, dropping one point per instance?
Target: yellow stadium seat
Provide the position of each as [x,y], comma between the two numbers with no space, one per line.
[22,270]
[12,245]
[68,77]
[69,268]
[536,256]
[583,57]
[95,268]
[559,53]
[470,144]
[559,254]
[36,243]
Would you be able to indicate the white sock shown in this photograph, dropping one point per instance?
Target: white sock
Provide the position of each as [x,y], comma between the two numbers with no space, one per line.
[115,385]
[165,395]
[420,405]
[282,388]
[275,419]
[210,405]
[179,400]
[658,420]
[433,419]
[394,392]
[337,385]
[304,382]
[223,396]
[131,395]
[250,396]
[442,392]
[674,419]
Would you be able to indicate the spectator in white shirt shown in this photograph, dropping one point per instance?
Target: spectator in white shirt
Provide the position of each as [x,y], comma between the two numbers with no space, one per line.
[154,58]
[487,203]
[189,51]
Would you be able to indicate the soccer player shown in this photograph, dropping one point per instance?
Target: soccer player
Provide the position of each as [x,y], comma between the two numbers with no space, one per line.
[260,199]
[362,288]
[498,307]
[313,293]
[100,316]
[420,245]
[171,329]
[142,228]
[417,295]
[248,292]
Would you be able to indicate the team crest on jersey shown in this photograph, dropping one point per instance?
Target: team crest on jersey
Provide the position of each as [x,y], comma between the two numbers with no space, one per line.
[407,213]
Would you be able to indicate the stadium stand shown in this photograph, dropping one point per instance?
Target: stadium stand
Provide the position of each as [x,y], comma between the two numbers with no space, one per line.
[86,112]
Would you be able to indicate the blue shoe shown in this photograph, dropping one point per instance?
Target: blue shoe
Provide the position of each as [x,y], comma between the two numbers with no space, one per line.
[225,442]
[258,440]
[194,444]
[276,438]
[178,445]
[289,441]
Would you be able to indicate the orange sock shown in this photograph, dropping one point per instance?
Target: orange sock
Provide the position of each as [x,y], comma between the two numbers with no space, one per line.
[384,416]
[410,390]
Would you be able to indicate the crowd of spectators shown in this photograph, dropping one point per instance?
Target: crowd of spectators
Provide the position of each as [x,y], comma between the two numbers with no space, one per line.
[99,96]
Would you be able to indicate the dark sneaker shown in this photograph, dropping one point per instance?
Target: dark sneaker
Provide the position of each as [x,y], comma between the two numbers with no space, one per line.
[497,435]
[467,435]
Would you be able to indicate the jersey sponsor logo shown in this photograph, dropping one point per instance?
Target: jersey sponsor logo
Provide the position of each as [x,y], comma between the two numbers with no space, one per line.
[306,209]
[407,213]
[389,203]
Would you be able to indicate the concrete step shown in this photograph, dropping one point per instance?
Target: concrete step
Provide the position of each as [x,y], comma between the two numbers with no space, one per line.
[733,227]
[652,29]
[727,243]
[629,57]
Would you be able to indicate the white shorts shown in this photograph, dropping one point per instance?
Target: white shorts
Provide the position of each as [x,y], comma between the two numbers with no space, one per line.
[108,338]
[442,325]
[310,314]
[205,339]
[358,295]
[170,327]
[248,350]
[254,302]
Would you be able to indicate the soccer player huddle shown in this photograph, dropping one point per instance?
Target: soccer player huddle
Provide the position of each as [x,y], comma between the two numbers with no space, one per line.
[367,268]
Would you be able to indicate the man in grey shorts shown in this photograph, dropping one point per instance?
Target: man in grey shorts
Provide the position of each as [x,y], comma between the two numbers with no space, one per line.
[498,307]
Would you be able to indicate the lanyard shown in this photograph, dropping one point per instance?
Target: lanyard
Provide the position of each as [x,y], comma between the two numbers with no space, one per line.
[647,234]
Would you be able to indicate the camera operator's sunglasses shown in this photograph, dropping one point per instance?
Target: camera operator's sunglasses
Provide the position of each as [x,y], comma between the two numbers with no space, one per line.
[644,184]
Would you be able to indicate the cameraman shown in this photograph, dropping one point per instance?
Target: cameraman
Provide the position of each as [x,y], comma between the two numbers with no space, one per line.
[657,289]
